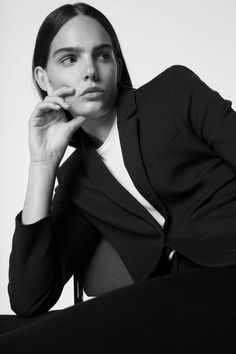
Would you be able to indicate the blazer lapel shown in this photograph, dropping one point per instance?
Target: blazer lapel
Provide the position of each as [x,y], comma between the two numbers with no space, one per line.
[100,175]
[132,156]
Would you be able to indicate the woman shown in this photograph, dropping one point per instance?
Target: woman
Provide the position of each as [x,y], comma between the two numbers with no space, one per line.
[152,180]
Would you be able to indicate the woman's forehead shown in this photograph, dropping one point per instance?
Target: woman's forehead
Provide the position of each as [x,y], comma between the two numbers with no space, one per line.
[82,31]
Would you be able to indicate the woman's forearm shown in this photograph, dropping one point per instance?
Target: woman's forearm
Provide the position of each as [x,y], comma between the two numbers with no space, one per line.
[35,272]
[39,192]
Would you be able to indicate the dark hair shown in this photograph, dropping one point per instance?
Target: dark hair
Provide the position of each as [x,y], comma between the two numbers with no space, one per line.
[53,23]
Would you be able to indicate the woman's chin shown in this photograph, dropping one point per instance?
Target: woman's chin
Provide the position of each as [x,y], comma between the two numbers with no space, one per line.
[88,112]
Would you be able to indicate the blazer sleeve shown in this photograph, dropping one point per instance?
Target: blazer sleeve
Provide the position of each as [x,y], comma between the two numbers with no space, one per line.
[204,111]
[45,254]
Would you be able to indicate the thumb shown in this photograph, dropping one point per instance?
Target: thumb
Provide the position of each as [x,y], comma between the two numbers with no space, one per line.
[75,123]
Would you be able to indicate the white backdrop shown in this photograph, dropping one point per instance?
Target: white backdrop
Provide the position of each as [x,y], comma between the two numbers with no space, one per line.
[154,34]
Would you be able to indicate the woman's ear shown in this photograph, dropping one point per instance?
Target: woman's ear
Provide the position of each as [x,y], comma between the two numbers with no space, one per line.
[119,68]
[41,77]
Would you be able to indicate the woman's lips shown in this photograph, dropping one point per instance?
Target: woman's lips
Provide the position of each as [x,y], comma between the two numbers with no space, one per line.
[95,94]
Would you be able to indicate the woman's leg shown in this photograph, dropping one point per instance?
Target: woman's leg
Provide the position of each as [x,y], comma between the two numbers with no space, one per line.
[187,312]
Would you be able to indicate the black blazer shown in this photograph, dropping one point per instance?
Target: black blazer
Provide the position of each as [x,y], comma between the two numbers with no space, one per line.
[178,139]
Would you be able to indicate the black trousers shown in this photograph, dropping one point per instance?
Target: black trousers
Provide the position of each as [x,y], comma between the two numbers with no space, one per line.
[191,311]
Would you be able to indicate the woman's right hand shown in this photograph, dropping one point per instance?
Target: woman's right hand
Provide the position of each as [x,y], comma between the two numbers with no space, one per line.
[49,129]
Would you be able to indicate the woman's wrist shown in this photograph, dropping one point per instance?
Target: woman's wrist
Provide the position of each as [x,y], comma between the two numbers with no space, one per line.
[39,191]
[44,165]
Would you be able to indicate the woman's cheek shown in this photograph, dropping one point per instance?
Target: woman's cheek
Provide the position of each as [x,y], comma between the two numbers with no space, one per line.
[62,78]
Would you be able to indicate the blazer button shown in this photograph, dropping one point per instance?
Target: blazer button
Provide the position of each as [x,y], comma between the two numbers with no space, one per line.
[171,255]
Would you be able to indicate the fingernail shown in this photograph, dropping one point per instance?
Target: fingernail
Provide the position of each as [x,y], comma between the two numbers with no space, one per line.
[66,105]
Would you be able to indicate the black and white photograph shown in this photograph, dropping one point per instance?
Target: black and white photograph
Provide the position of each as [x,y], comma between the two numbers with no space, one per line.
[118,177]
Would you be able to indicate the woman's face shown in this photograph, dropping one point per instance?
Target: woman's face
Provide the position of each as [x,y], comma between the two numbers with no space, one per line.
[81,56]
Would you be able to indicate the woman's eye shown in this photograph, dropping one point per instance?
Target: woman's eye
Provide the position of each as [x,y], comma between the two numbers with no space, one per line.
[105,56]
[68,60]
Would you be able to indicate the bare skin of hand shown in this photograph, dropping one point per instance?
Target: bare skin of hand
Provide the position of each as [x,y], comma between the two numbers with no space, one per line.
[49,129]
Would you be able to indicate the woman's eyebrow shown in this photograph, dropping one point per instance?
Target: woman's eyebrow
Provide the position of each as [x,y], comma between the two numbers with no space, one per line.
[80,49]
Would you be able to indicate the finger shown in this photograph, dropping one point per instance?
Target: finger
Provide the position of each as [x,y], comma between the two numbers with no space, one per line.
[48,84]
[58,100]
[45,107]
[64,91]
[75,123]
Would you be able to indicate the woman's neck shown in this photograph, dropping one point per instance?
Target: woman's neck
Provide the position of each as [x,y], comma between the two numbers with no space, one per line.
[98,128]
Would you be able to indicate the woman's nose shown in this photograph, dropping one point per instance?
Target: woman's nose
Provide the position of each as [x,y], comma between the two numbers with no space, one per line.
[89,71]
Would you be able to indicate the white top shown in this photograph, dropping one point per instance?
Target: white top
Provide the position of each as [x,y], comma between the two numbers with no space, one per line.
[110,152]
